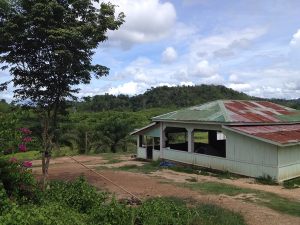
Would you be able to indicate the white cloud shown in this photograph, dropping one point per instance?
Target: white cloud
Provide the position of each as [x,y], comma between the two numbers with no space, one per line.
[268,83]
[169,55]
[130,88]
[240,87]
[145,21]
[203,69]
[296,38]
[224,44]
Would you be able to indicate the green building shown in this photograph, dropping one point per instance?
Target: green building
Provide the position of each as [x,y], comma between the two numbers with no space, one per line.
[252,138]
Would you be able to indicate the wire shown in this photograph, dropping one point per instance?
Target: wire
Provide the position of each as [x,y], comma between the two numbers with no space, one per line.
[99,174]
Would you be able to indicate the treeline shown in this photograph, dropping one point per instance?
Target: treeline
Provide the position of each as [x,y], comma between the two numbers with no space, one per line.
[168,97]
[159,97]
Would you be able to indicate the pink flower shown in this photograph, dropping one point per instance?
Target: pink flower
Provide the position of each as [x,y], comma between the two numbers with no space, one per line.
[13,160]
[27,139]
[27,164]
[25,130]
[22,148]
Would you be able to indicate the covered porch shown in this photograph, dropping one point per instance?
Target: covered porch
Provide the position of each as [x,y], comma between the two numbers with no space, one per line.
[148,142]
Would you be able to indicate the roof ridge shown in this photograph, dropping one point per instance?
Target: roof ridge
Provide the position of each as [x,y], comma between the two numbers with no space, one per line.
[224,110]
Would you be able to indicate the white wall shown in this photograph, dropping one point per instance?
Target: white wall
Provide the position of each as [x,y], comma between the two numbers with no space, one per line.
[252,157]
[289,162]
[141,153]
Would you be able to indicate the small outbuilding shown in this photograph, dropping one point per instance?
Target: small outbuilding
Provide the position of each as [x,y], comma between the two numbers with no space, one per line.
[251,138]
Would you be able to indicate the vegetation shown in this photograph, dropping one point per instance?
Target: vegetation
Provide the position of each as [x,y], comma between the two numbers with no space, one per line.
[266,179]
[48,48]
[167,97]
[267,199]
[292,183]
[76,202]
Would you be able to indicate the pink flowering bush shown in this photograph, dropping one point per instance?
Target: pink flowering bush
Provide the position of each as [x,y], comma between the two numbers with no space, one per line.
[27,164]
[25,131]
[17,179]
[27,139]
[22,147]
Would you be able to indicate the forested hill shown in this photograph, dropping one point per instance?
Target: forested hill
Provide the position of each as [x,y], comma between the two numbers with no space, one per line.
[171,97]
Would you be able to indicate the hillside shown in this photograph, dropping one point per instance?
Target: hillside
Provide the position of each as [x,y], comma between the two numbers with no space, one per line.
[160,97]
[170,97]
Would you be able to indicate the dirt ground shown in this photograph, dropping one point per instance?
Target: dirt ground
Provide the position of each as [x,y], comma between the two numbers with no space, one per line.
[152,185]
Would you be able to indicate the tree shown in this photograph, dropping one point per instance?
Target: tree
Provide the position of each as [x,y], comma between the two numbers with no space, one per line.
[48,46]
[113,131]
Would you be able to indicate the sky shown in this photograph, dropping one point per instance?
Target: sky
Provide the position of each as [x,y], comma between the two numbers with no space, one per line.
[252,46]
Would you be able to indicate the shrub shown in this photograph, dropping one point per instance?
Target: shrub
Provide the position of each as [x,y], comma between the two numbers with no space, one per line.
[52,213]
[266,179]
[4,201]
[18,181]
[161,211]
[77,194]
[113,213]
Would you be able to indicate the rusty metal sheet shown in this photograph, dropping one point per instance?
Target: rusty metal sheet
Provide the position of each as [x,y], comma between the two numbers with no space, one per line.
[283,134]
[256,111]
[234,111]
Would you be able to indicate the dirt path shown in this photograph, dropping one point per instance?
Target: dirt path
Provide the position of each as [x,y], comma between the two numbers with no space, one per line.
[293,194]
[146,186]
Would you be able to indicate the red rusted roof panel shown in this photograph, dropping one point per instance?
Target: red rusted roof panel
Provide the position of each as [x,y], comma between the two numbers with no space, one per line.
[282,134]
[255,111]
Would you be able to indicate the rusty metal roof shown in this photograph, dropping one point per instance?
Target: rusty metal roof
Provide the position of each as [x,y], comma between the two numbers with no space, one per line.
[234,111]
[278,134]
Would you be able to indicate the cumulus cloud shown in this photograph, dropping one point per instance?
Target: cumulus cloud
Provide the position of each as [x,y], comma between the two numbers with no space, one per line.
[203,69]
[225,44]
[146,21]
[130,88]
[169,55]
[295,39]
[267,83]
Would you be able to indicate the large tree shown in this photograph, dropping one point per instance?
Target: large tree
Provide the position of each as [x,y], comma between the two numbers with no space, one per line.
[48,47]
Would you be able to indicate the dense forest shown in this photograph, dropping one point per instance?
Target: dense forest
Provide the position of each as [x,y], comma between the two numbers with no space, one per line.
[167,97]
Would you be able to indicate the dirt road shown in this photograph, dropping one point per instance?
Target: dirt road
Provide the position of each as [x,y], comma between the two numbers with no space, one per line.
[144,186]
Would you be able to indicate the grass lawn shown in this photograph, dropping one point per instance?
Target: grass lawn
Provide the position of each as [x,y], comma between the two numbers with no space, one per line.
[30,155]
[267,199]
[293,183]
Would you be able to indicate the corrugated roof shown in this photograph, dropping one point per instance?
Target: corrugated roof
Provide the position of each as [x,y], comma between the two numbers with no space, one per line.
[234,111]
[281,134]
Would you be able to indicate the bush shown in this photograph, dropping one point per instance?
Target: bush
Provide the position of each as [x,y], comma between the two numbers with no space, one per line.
[161,211]
[78,195]
[18,181]
[50,214]
[266,179]
[4,201]
[113,213]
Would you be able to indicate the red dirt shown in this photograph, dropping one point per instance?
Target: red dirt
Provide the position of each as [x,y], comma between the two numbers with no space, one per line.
[145,186]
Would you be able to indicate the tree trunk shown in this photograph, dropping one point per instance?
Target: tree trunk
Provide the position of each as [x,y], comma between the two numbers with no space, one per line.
[45,166]
[46,154]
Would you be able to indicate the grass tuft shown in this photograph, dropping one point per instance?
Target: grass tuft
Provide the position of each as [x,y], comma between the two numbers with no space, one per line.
[293,183]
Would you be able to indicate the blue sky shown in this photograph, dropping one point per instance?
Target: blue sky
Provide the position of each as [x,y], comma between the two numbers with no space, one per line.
[248,45]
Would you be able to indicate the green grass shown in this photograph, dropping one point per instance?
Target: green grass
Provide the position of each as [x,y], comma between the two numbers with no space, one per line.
[266,179]
[30,155]
[201,214]
[293,183]
[113,161]
[146,168]
[267,199]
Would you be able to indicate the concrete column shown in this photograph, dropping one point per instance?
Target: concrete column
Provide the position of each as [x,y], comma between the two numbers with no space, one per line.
[190,139]
[162,142]
[153,143]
